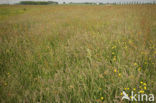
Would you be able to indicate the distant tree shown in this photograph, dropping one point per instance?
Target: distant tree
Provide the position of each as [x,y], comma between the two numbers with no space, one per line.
[101,3]
[37,2]
[154,2]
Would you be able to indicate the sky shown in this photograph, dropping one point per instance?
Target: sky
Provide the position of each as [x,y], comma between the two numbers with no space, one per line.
[60,1]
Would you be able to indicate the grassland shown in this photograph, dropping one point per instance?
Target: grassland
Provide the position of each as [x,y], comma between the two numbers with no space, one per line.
[76,54]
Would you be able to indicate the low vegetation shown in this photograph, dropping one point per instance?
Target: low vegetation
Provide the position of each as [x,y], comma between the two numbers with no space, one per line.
[76,54]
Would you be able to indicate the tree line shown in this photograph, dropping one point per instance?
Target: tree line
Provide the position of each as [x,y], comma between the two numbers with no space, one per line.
[37,2]
[86,3]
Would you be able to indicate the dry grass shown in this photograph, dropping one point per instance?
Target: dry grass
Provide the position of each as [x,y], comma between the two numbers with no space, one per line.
[76,54]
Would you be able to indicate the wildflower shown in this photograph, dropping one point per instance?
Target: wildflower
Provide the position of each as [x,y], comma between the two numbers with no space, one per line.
[145,88]
[113,53]
[141,91]
[141,82]
[114,59]
[127,88]
[119,74]
[134,89]
[115,70]
[121,93]
[144,84]
[102,98]
[113,47]
[139,69]
[135,64]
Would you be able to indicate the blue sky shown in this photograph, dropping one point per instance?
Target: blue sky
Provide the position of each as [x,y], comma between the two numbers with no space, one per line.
[15,1]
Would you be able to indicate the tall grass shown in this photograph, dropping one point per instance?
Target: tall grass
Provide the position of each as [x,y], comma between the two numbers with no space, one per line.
[76,54]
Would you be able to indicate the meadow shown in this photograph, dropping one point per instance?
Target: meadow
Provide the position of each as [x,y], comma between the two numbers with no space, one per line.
[76,53]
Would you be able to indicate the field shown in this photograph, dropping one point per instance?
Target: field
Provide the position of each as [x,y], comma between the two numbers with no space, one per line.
[76,53]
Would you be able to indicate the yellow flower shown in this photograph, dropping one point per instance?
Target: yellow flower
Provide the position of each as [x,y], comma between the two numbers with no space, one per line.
[141,91]
[113,47]
[141,82]
[119,74]
[115,70]
[113,53]
[134,89]
[139,69]
[121,93]
[102,98]
[135,64]
[145,84]
[114,59]
[127,88]
[145,88]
